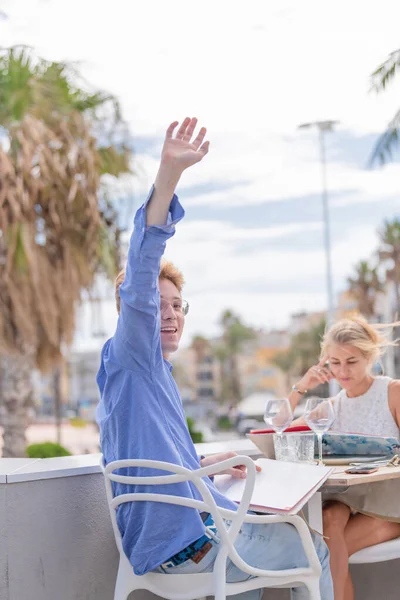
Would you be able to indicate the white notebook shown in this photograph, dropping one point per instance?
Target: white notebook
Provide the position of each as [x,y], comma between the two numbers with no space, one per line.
[280,487]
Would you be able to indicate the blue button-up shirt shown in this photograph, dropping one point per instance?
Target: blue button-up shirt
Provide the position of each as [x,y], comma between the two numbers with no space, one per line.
[140,413]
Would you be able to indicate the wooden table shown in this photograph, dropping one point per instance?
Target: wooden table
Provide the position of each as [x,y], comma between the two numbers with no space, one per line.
[341,481]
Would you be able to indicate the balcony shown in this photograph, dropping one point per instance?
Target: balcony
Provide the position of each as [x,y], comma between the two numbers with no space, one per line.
[56,536]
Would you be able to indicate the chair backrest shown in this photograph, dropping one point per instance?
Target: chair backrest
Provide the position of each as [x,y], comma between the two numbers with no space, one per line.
[182,474]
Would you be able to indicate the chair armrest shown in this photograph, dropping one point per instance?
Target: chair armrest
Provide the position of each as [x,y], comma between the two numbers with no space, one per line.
[302,529]
[303,532]
[228,536]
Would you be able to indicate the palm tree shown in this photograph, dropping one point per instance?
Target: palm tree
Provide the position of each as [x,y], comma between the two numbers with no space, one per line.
[58,227]
[364,287]
[285,361]
[389,255]
[234,335]
[389,140]
[201,347]
[306,346]
[221,353]
[303,352]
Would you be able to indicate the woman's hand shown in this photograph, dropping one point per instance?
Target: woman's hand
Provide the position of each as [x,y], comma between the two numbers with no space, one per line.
[315,376]
[239,471]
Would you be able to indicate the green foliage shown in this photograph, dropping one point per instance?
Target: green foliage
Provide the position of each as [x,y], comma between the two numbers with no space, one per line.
[77,422]
[303,352]
[46,450]
[224,423]
[197,436]
[389,255]
[31,85]
[201,346]
[386,72]
[364,287]
[389,140]
[234,335]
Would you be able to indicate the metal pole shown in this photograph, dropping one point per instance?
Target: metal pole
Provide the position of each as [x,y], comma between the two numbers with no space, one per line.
[327,234]
[333,385]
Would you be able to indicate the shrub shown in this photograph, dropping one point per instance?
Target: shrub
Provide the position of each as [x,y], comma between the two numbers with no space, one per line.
[46,450]
[77,422]
[197,436]
[224,423]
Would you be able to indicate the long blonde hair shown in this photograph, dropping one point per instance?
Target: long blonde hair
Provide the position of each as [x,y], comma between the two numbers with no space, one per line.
[356,331]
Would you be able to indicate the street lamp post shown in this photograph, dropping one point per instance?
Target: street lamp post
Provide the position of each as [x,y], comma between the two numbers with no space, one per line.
[323,127]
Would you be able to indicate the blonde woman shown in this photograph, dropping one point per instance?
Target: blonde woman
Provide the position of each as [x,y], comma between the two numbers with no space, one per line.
[366,404]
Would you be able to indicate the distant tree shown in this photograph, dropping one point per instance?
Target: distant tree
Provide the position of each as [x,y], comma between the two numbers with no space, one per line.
[303,352]
[234,336]
[285,362]
[306,347]
[221,353]
[364,286]
[389,255]
[201,347]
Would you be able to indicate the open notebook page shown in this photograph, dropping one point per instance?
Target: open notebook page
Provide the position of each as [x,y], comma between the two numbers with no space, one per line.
[280,487]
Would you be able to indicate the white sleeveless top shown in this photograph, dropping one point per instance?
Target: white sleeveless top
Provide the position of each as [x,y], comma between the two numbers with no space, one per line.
[368,413]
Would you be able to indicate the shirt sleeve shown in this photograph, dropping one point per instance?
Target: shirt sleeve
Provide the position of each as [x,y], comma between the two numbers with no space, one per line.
[136,342]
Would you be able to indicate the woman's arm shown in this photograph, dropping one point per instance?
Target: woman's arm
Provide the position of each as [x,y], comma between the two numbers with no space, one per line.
[394,400]
[315,376]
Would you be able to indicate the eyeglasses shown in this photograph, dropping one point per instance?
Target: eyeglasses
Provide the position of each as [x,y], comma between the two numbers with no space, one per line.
[178,306]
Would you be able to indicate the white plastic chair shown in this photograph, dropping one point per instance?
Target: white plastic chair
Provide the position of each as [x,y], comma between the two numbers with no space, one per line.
[379,553]
[189,587]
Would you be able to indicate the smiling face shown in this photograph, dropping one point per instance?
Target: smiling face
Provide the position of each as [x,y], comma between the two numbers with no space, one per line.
[172,317]
[349,365]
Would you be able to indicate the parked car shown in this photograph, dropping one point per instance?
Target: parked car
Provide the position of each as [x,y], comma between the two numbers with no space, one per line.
[246,425]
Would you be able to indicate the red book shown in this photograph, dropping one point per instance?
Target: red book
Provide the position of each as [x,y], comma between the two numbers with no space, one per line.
[288,430]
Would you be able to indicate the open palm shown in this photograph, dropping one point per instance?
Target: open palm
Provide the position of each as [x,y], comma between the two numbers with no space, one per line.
[181,151]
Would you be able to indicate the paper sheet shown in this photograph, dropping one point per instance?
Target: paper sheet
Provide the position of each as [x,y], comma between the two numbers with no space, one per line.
[280,487]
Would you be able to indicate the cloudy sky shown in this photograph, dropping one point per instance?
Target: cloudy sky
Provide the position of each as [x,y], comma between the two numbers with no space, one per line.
[251,72]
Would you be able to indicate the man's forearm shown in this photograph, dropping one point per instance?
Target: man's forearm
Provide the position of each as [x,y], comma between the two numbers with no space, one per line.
[164,188]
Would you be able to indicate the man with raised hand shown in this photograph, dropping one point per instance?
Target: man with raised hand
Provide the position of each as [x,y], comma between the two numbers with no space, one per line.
[140,413]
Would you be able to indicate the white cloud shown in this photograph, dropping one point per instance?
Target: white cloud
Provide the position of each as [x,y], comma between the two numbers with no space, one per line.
[252,72]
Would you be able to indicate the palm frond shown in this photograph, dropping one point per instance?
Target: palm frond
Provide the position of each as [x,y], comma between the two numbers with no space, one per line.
[387,143]
[386,72]
[43,275]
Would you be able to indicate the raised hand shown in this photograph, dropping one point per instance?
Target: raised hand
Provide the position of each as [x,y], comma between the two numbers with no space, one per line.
[315,376]
[180,151]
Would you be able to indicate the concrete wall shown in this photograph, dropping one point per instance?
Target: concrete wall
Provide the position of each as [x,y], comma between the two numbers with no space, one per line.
[57,541]
[60,541]
[3,546]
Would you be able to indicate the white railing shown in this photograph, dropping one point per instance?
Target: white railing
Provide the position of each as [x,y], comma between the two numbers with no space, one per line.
[56,538]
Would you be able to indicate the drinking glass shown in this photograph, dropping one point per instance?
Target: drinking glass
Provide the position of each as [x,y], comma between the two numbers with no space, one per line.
[278,414]
[319,416]
[294,446]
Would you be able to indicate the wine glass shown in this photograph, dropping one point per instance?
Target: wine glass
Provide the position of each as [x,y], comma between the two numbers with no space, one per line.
[278,414]
[319,416]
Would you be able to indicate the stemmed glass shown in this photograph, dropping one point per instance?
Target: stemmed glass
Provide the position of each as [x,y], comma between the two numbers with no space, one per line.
[319,416]
[278,414]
